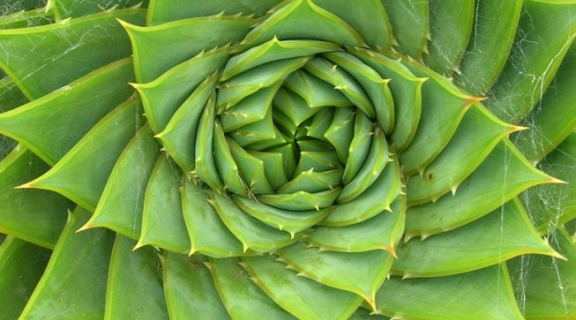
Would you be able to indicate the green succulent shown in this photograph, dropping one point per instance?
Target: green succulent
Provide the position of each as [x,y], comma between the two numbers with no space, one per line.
[313,159]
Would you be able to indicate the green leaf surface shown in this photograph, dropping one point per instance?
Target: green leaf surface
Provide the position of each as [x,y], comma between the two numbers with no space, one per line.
[121,206]
[450,28]
[240,295]
[360,272]
[249,82]
[11,6]
[37,216]
[374,200]
[253,234]
[342,81]
[376,88]
[274,50]
[271,161]
[478,295]
[226,164]
[381,232]
[316,92]
[303,19]
[376,160]
[74,283]
[301,200]
[341,132]
[208,234]
[101,147]
[43,59]
[312,181]
[162,221]
[252,169]
[189,288]
[319,160]
[10,95]
[77,8]
[406,90]
[132,273]
[179,41]
[251,109]
[290,221]
[546,31]
[488,50]
[410,25]
[21,266]
[293,106]
[367,17]
[476,136]
[204,167]
[502,176]
[302,297]
[443,107]
[174,89]
[554,118]
[545,286]
[501,235]
[28,18]
[265,134]
[162,11]
[67,114]
[554,205]
[359,148]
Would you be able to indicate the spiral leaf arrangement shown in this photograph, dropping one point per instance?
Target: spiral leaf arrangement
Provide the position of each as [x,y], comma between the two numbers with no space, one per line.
[315,159]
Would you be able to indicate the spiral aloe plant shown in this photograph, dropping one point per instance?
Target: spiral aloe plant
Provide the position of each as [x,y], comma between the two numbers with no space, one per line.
[313,159]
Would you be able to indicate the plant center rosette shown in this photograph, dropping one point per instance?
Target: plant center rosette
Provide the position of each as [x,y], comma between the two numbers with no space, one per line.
[299,147]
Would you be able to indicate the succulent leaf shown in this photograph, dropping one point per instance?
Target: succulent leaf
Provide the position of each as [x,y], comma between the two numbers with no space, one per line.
[101,147]
[502,234]
[137,271]
[125,189]
[16,255]
[541,275]
[250,158]
[468,294]
[79,263]
[31,215]
[187,280]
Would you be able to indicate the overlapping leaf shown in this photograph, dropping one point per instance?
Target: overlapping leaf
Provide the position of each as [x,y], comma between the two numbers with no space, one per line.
[268,157]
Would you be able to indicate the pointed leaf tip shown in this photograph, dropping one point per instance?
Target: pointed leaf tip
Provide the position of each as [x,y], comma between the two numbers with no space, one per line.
[28,185]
